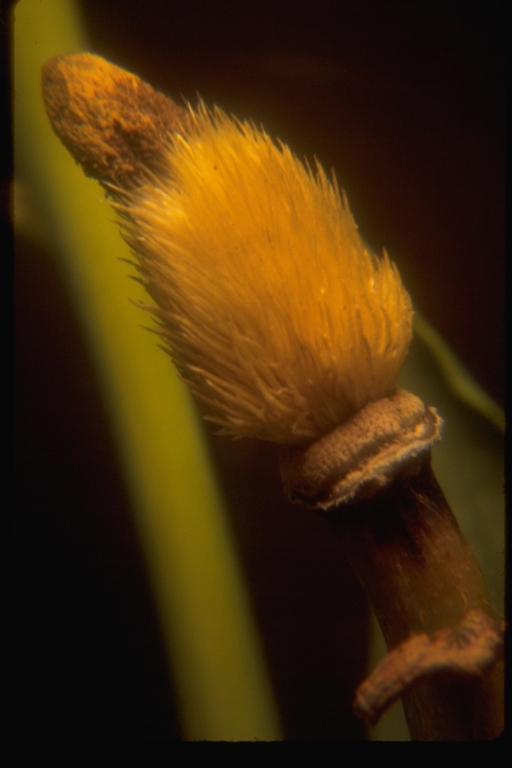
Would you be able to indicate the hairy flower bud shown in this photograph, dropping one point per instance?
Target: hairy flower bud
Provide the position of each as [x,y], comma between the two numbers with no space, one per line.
[277,316]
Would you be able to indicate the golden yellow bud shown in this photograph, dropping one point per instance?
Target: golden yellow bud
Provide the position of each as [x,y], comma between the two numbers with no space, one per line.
[276,314]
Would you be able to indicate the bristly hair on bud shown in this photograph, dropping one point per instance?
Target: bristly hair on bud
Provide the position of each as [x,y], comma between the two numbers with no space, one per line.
[277,316]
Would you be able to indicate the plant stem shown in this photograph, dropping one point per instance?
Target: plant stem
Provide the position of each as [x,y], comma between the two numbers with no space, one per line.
[421,576]
[373,478]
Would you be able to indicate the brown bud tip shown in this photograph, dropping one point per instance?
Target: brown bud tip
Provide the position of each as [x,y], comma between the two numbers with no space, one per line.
[113,123]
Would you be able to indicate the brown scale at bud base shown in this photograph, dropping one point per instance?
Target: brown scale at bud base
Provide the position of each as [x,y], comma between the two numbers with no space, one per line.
[363,455]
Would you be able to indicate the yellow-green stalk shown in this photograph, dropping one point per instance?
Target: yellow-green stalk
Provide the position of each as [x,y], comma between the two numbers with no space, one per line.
[222,686]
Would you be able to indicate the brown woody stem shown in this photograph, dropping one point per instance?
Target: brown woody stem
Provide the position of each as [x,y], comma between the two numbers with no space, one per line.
[411,558]
[421,576]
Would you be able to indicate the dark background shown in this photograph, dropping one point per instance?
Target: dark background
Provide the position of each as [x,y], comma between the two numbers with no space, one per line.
[405,101]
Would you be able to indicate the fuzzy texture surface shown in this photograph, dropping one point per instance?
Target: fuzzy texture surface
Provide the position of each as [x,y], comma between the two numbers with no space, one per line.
[280,320]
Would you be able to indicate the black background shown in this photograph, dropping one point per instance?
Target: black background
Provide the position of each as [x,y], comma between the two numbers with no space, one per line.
[405,101]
